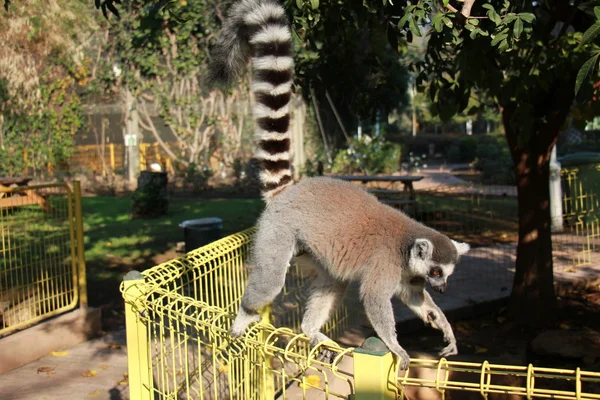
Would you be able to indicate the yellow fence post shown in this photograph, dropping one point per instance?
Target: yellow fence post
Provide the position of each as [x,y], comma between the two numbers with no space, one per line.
[112,157]
[374,371]
[81,270]
[267,390]
[138,351]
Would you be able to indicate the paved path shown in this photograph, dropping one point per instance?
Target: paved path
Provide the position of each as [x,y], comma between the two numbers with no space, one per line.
[63,376]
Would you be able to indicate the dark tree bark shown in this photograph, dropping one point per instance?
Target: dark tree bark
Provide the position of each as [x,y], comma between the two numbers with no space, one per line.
[533,300]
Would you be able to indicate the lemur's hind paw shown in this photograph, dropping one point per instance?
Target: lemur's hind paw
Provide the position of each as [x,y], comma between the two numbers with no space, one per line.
[241,323]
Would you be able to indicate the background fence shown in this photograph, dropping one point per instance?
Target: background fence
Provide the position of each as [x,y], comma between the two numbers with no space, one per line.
[42,271]
[110,159]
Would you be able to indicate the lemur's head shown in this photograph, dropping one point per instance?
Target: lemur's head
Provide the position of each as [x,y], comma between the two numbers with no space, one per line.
[433,260]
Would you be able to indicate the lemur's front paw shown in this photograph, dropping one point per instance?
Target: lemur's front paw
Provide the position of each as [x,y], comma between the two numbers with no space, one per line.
[449,350]
[403,358]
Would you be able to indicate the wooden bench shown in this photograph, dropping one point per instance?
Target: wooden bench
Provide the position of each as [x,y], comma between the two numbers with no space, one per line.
[10,198]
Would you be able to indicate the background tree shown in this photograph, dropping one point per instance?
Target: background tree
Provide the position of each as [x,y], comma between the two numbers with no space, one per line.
[44,69]
[164,56]
[528,57]
[345,57]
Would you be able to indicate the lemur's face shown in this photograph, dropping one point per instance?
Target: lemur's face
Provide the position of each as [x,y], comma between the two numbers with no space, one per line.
[426,269]
[438,276]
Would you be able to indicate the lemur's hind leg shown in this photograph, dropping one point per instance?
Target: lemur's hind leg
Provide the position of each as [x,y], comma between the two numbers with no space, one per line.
[326,294]
[271,257]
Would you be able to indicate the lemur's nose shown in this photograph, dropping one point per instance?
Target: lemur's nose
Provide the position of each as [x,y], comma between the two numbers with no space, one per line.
[441,288]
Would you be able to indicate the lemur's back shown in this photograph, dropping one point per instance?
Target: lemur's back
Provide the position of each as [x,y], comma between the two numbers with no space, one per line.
[339,223]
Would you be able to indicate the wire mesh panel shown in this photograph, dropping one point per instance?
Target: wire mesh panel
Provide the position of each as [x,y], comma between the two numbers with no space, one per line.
[443,378]
[188,306]
[485,217]
[579,242]
[39,265]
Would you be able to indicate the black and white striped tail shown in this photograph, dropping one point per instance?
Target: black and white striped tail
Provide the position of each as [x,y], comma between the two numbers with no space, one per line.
[260,29]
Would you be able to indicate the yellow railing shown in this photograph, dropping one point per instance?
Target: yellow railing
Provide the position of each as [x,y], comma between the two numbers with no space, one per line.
[42,270]
[178,315]
[581,218]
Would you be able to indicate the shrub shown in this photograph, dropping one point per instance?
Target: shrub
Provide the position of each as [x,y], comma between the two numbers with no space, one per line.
[368,155]
[467,147]
[494,160]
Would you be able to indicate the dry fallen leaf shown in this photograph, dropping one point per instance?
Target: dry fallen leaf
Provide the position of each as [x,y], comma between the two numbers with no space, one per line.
[311,381]
[89,373]
[59,353]
[564,327]
[114,345]
[104,366]
[125,379]
[94,394]
[46,370]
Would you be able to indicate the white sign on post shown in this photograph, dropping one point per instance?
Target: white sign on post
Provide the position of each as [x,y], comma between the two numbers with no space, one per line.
[130,140]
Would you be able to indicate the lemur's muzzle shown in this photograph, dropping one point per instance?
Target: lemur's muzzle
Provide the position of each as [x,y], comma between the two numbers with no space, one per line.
[440,288]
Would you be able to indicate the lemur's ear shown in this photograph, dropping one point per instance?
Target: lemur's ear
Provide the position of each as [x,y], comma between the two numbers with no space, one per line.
[461,248]
[423,249]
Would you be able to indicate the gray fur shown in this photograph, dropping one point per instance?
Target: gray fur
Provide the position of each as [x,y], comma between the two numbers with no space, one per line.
[352,237]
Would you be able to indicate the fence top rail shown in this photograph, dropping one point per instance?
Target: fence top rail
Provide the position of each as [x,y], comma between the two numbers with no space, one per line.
[164,273]
[18,189]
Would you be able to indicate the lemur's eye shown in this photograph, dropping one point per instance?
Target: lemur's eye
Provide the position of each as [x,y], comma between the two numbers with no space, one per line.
[435,272]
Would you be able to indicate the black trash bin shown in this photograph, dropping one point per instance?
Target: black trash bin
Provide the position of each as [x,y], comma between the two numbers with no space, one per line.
[200,232]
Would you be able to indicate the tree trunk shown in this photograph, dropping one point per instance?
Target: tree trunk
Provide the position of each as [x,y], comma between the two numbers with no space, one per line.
[533,301]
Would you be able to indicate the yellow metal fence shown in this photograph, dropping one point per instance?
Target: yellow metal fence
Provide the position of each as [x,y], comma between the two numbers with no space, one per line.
[42,268]
[109,159]
[178,315]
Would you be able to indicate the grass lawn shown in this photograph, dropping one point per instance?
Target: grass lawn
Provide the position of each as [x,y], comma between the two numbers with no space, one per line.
[114,243]
[110,232]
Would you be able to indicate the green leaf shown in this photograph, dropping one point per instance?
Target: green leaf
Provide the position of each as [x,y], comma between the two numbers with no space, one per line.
[503,47]
[437,23]
[493,15]
[510,18]
[597,12]
[448,22]
[518,28]
[403,20]
[314,4]
[586,69]
[498,38]
[299,3]
[412,24]
[591,33]
[527,17]
[488,6]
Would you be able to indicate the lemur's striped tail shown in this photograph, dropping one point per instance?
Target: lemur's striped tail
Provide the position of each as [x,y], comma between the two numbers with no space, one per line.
[260,29]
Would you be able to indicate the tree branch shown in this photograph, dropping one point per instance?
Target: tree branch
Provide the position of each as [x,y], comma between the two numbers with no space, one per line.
[466,8]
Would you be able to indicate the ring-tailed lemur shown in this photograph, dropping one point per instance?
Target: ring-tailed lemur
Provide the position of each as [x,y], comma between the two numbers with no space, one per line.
[346,231]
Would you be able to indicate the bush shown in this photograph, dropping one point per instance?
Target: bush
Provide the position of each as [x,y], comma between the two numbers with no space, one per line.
[467,147]
[150,199]
[494,160]
[368,155]
[198,176]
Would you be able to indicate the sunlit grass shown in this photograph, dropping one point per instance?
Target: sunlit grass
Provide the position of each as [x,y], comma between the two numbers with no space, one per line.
[110,231]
